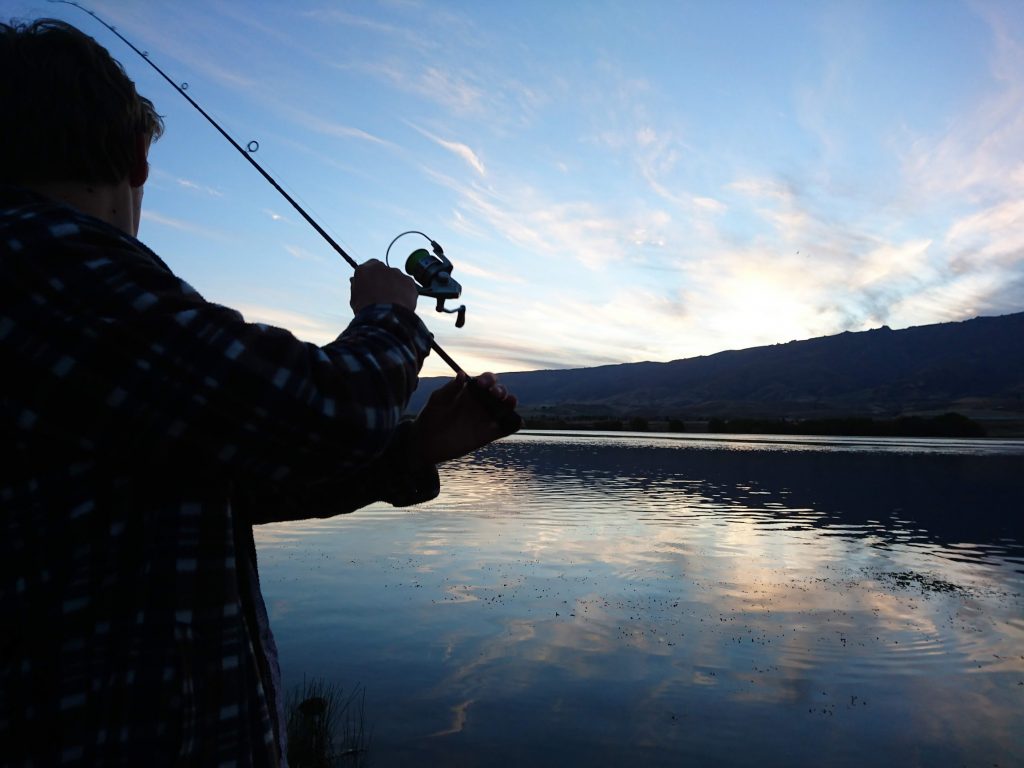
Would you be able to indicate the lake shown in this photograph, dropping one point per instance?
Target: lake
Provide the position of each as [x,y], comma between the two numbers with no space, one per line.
[636,599]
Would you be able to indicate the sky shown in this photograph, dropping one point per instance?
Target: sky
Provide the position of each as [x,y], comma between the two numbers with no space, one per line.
[613,181]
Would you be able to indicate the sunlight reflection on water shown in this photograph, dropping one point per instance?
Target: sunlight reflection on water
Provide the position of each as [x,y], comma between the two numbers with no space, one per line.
[638,600]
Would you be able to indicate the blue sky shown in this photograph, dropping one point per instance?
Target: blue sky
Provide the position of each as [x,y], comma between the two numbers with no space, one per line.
[614,181]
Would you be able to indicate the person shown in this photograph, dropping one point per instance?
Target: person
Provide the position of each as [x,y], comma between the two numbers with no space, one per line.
[147,430]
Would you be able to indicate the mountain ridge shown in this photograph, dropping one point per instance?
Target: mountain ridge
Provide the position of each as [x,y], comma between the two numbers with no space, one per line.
[972,366]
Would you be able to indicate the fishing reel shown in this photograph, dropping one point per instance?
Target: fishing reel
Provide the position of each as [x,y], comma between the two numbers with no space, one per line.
[432,272]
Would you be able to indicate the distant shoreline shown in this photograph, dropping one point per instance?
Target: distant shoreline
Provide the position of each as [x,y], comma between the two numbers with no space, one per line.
[983,445]
[948,425]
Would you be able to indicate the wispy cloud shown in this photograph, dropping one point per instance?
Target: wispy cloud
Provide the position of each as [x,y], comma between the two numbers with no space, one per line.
[321,125]
[977,166]
[458,93]
[580,230]
[767,188]
[468,268]
[709,204]
[317,330]
[155,217]
[403,34]
[302,254]
[890,262]
[982,152]
[188,184]
[458,149]
[450,90]
[477,92]
[991,236]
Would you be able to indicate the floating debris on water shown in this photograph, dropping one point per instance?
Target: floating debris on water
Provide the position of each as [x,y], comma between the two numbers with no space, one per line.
[926,583]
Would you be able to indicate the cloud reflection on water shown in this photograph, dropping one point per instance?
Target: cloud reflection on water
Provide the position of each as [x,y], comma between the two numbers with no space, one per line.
[623,602]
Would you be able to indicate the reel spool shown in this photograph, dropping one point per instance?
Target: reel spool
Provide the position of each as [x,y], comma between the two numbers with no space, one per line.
[433,275]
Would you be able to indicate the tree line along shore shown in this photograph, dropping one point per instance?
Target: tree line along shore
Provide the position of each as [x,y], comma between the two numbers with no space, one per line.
[944,425]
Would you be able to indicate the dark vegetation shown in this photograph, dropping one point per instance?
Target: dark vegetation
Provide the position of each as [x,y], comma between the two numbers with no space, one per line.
[946,425]
[635,424]
[325,727]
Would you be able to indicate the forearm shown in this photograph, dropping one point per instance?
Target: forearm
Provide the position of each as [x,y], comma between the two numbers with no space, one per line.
[397,477]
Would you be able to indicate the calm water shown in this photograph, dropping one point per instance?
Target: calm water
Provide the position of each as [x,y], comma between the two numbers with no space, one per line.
[616,600]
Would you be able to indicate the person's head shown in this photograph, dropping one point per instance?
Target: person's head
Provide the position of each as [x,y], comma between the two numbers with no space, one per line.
[71,114]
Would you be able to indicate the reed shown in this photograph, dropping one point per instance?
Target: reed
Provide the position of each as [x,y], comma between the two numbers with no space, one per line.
[326,727]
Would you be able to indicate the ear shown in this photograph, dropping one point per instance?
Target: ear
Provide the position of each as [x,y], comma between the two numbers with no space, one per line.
[140,165]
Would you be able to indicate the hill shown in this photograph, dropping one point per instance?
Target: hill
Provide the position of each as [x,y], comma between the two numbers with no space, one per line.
[974,367]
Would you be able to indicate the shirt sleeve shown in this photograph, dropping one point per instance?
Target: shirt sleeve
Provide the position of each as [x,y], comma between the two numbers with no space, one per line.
[117,357]
[394,477]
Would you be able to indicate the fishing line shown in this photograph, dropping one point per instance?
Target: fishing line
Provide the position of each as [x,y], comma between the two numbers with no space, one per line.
[442,271]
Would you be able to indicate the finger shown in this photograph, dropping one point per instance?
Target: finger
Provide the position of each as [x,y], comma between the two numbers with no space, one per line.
[498,392]
[448,393]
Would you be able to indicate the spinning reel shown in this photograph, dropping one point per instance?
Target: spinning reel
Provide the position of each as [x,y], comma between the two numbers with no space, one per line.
[433,275]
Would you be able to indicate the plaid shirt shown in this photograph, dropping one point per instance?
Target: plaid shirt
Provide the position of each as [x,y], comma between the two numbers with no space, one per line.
[145,430]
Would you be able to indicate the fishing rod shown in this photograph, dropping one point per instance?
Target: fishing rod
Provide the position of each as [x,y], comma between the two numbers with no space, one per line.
[431,270]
